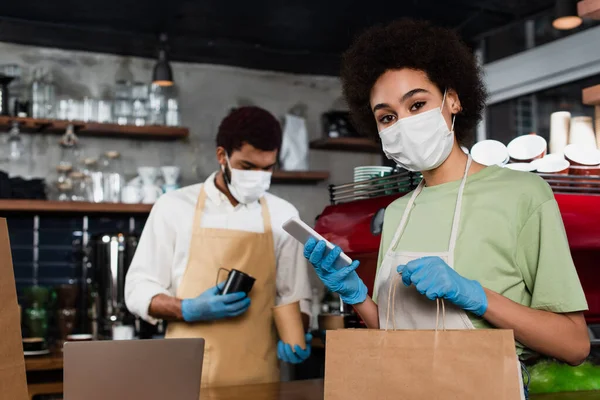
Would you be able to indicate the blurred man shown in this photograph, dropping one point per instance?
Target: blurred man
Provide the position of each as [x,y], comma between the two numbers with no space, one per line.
[231,222]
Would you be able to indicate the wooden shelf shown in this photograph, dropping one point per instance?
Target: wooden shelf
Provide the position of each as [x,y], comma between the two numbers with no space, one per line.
[50,362]
[68,207]
[51,126]
[589,9]
[299,177]
[591,95]
[358,145]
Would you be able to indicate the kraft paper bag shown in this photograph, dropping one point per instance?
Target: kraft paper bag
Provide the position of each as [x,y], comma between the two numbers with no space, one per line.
[453,364]
[13,382]
[422,364]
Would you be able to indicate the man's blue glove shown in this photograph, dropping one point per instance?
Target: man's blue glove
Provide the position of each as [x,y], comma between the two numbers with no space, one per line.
[211,305]
[435,279]
[344,281]
[285,353]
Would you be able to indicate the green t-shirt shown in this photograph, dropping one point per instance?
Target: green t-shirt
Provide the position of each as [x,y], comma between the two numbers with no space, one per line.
[511,238]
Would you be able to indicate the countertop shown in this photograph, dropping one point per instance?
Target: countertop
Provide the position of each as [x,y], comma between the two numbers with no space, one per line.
[313,390]
[296,390]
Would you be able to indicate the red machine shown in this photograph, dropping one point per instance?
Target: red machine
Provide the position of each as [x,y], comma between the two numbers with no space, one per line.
[356,226]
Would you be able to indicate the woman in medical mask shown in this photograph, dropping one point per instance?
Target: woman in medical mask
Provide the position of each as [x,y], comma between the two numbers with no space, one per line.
[488,241]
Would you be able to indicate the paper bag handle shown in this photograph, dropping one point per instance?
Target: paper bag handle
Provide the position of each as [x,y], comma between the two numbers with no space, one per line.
[392,305]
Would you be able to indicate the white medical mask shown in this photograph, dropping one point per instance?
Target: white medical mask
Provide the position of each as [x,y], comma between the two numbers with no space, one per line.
[421,142]
[247,186]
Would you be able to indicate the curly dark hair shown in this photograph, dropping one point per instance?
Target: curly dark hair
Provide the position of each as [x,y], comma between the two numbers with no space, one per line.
[252,125]
[418,45]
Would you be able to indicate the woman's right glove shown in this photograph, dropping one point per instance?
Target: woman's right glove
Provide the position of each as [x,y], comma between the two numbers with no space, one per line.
[344,281]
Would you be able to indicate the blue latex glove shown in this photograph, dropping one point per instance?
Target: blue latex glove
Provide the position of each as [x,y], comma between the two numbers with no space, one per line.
[211,305]
[344,281]
[435,279]
[285,353]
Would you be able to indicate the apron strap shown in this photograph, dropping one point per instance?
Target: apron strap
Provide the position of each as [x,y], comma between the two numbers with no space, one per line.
[457,214]
[267,221]
[265,214]
[455,221]
[199,211]
[405,215]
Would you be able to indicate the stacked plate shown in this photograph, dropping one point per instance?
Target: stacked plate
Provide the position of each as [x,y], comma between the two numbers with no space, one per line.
[371,172]
[366,173]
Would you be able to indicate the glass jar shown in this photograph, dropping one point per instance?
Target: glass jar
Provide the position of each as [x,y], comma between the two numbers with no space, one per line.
[122,106]
[69,148]
[112,171]
[43,94]
[172,118]
[79,191]
[18,157]
[140,103]
[105,111]
[38,109]
[90,109]
[63,172]
[35,315]
[65,191]
[157,105]
[95,179]
[49,94]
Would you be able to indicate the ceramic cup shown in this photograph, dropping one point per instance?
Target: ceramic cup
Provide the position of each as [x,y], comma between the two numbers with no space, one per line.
[582,155]
[237,281]
[123,332]
[148,175]
[170,175]
[150,193]
[80,337]
[527,148]
[169,188]
[547,158]
[524,167]
[554,167]
[131,195]
[490,152]
[34,344]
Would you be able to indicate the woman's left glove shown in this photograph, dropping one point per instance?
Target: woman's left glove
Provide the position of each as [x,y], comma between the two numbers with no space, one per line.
[435,279]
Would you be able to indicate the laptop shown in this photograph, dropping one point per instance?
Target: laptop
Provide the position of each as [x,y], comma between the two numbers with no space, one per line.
[133,369]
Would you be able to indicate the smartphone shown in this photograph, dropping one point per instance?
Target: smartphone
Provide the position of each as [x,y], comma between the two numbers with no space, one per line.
[302,232]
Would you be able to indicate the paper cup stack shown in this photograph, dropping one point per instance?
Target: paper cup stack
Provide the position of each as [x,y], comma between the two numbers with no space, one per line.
[560,123]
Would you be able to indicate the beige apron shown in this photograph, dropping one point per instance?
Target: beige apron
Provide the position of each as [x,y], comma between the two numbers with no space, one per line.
[239,350]
[412,309]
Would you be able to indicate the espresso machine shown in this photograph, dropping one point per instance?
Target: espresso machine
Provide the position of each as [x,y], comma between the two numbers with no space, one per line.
[108,258]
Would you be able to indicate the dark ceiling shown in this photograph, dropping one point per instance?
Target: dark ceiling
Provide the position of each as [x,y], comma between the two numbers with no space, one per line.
[302,36]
